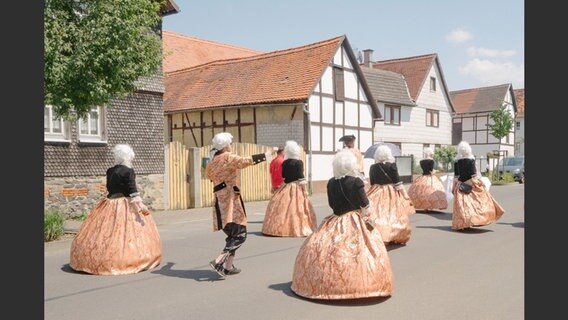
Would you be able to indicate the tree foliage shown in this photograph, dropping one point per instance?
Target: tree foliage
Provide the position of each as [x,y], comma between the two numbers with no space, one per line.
[501,126]
[445,156]
[502,122]
[95,50]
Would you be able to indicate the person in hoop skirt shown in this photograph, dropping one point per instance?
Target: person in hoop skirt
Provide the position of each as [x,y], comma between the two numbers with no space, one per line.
[427,192]
[478,207]
[345,257]
[289,212]
[390,204]
[119,236]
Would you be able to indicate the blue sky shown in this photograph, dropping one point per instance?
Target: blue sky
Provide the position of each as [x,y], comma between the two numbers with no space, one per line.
[480,43]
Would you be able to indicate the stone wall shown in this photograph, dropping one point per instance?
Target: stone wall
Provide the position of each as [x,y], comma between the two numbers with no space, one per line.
[74,196]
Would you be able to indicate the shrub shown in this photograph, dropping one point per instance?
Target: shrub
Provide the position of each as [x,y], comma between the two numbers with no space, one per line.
[52,225]
[81,217]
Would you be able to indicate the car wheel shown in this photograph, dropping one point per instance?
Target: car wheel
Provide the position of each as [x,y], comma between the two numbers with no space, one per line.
[522,179]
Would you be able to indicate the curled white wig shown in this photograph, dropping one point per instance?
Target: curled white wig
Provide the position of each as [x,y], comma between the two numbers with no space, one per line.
[383,154]
[123,154]
[292,150]
[464,151]
[344,164]
[428,153]
[221,140]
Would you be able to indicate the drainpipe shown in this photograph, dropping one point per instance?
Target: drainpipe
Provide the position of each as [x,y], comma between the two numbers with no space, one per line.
[309,144]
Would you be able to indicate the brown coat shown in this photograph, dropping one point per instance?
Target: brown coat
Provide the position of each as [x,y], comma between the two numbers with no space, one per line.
[225,168]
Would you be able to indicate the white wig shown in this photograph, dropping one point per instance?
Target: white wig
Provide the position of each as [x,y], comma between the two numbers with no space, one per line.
[221,140]
[292,150]
[464,151]
[428,153]
[344,164]
[383,154]
[123,154]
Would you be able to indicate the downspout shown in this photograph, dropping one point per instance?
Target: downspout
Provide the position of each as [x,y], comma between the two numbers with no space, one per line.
[309,144]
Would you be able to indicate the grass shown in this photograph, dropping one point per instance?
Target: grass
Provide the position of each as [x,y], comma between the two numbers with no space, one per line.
[52,225]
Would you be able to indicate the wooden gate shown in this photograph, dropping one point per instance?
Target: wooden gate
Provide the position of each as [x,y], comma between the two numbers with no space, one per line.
[177,173]
[188,187]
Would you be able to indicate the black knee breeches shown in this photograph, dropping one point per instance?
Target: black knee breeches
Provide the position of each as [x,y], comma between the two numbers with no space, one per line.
[236,236]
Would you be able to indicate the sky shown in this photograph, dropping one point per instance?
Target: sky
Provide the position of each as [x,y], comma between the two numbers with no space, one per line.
[479,43]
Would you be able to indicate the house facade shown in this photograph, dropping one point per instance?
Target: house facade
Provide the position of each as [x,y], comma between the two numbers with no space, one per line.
[313,94]
[472,119]
[419,118]
[520,122]
[77,154]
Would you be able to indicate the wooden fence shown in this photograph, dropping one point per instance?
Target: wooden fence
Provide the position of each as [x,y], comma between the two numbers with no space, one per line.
[188,187]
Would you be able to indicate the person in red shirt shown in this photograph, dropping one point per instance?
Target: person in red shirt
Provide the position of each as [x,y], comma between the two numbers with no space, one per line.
[276,169]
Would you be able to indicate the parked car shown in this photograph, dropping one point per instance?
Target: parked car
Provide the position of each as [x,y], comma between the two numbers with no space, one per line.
[515,165]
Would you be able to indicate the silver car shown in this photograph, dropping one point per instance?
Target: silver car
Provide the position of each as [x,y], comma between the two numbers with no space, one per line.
[515,165]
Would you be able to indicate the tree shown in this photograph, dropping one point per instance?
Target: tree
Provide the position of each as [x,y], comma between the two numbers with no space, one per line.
[95,50]
[502,122]
[501,126]
[445,155]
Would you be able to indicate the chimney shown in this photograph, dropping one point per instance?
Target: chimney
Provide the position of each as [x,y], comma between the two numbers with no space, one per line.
[368,58]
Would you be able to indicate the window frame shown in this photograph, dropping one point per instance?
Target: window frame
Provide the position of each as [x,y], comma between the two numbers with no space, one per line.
[392,121]
[62,136]
[430,118]
[432,84]
[100,136]
[338,84]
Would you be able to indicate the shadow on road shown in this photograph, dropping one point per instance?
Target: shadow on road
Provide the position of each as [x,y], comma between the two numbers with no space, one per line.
[197,275]
[285,287]
[475,230]
[514,224]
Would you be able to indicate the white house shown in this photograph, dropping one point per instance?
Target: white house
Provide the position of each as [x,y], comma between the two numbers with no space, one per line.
[471,121]
[423,117]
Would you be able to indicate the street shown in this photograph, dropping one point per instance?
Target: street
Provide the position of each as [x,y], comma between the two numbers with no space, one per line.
[439,274]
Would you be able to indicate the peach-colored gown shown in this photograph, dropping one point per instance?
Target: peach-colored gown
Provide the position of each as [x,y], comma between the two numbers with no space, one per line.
[428,192]
[289,212]
[342,259]
[392,212]
[115,239]
[475,209]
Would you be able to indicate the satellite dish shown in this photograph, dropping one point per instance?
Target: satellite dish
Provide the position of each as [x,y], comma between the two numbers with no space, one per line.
[359,57]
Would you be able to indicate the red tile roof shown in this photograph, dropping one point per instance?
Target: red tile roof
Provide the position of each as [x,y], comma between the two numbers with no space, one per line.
[414,69]
[520,99]
[479,99]
[182,52]
[285,76]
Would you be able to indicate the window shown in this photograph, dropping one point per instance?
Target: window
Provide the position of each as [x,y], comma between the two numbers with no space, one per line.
[432,118]
[518,125]
[91,127]
[339,84]
[392,115]
[54,129]
[432,84]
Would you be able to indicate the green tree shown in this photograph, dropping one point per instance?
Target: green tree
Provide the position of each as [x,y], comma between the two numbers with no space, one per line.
[445,156]
[502,124]
[95,50]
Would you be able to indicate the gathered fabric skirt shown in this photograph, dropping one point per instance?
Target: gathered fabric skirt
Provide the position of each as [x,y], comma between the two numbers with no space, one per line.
[114,239]
[289,212]
[428,192]
[475,209]
[391,213]
[342,259]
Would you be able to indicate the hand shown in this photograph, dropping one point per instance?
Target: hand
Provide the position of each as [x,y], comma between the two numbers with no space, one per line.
[139,206]
[268,156]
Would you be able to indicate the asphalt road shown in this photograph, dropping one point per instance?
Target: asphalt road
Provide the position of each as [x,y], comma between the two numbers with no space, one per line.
[439,274]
